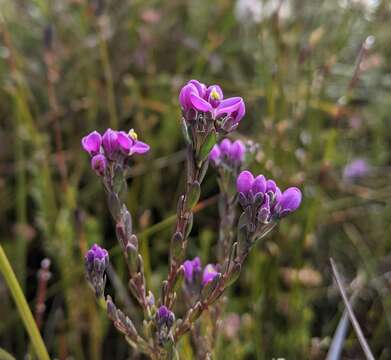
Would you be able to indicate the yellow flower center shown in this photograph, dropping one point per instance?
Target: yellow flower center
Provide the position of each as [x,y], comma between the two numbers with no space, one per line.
[215,95]
[133,134]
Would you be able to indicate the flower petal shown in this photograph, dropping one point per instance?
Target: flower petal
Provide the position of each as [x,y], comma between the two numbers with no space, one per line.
[199,103]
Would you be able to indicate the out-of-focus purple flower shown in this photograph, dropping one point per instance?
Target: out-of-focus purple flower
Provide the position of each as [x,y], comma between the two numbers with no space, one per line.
[228,153]
[96,262]
[92,142]
[237,151]
[165,316]
[356,169]
[265,197]
[214,155]
[192,267]
[197,97]
[209,274]
[99,164]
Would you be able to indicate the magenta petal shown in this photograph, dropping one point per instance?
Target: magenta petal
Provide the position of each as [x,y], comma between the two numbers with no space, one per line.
[244,182]
[259,184]
[184,96]
[271,185]
[125,141]
[229,105]
[92,142]
[201,88]
[199,103]
[289,201]
[237,151]
[225,146]
[140,148]
[209,274]
[232,107]
[214,155]
[110,142]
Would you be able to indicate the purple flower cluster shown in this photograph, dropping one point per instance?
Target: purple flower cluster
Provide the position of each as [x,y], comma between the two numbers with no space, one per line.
[193,268]
[196,98]
[265,198]
[96,262]
[112,146]
[227,153]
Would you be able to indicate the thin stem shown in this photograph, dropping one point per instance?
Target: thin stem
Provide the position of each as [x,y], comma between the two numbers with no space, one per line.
[356,325]
[23,308]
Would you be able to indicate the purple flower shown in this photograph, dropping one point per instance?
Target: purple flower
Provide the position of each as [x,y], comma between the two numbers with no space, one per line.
[197,97]
[165,316]
[92,143]
[192,267]
[289,201]
[97,253]
[232,108]
[99,164]
[265,197]
[114,146]
[96,262]
[214,155]
[129,144]
[356,169]
[225,146]
[209,274]
[237,151]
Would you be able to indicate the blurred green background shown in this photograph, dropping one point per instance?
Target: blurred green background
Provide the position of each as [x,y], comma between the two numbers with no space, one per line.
[316,79]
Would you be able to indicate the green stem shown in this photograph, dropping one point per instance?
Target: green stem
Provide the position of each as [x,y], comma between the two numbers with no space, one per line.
[5,355]
[23,308]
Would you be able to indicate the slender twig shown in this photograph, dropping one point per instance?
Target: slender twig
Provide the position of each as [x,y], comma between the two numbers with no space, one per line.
[352,317]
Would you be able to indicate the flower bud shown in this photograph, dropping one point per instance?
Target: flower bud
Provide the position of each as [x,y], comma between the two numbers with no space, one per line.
[99,164]
[96,262]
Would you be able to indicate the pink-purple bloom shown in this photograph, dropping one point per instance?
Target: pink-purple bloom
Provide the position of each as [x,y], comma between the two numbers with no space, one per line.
[266,197]
[112,146]
[228,153]
[210,272]
[197,97]
[192,268]
[97,253]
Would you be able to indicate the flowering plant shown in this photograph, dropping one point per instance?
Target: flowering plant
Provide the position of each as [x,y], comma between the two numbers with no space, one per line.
[207,116]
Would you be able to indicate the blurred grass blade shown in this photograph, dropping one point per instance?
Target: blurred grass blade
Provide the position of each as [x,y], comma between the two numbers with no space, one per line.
[356,325]
[338,341]
[23,308]
[5,355]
